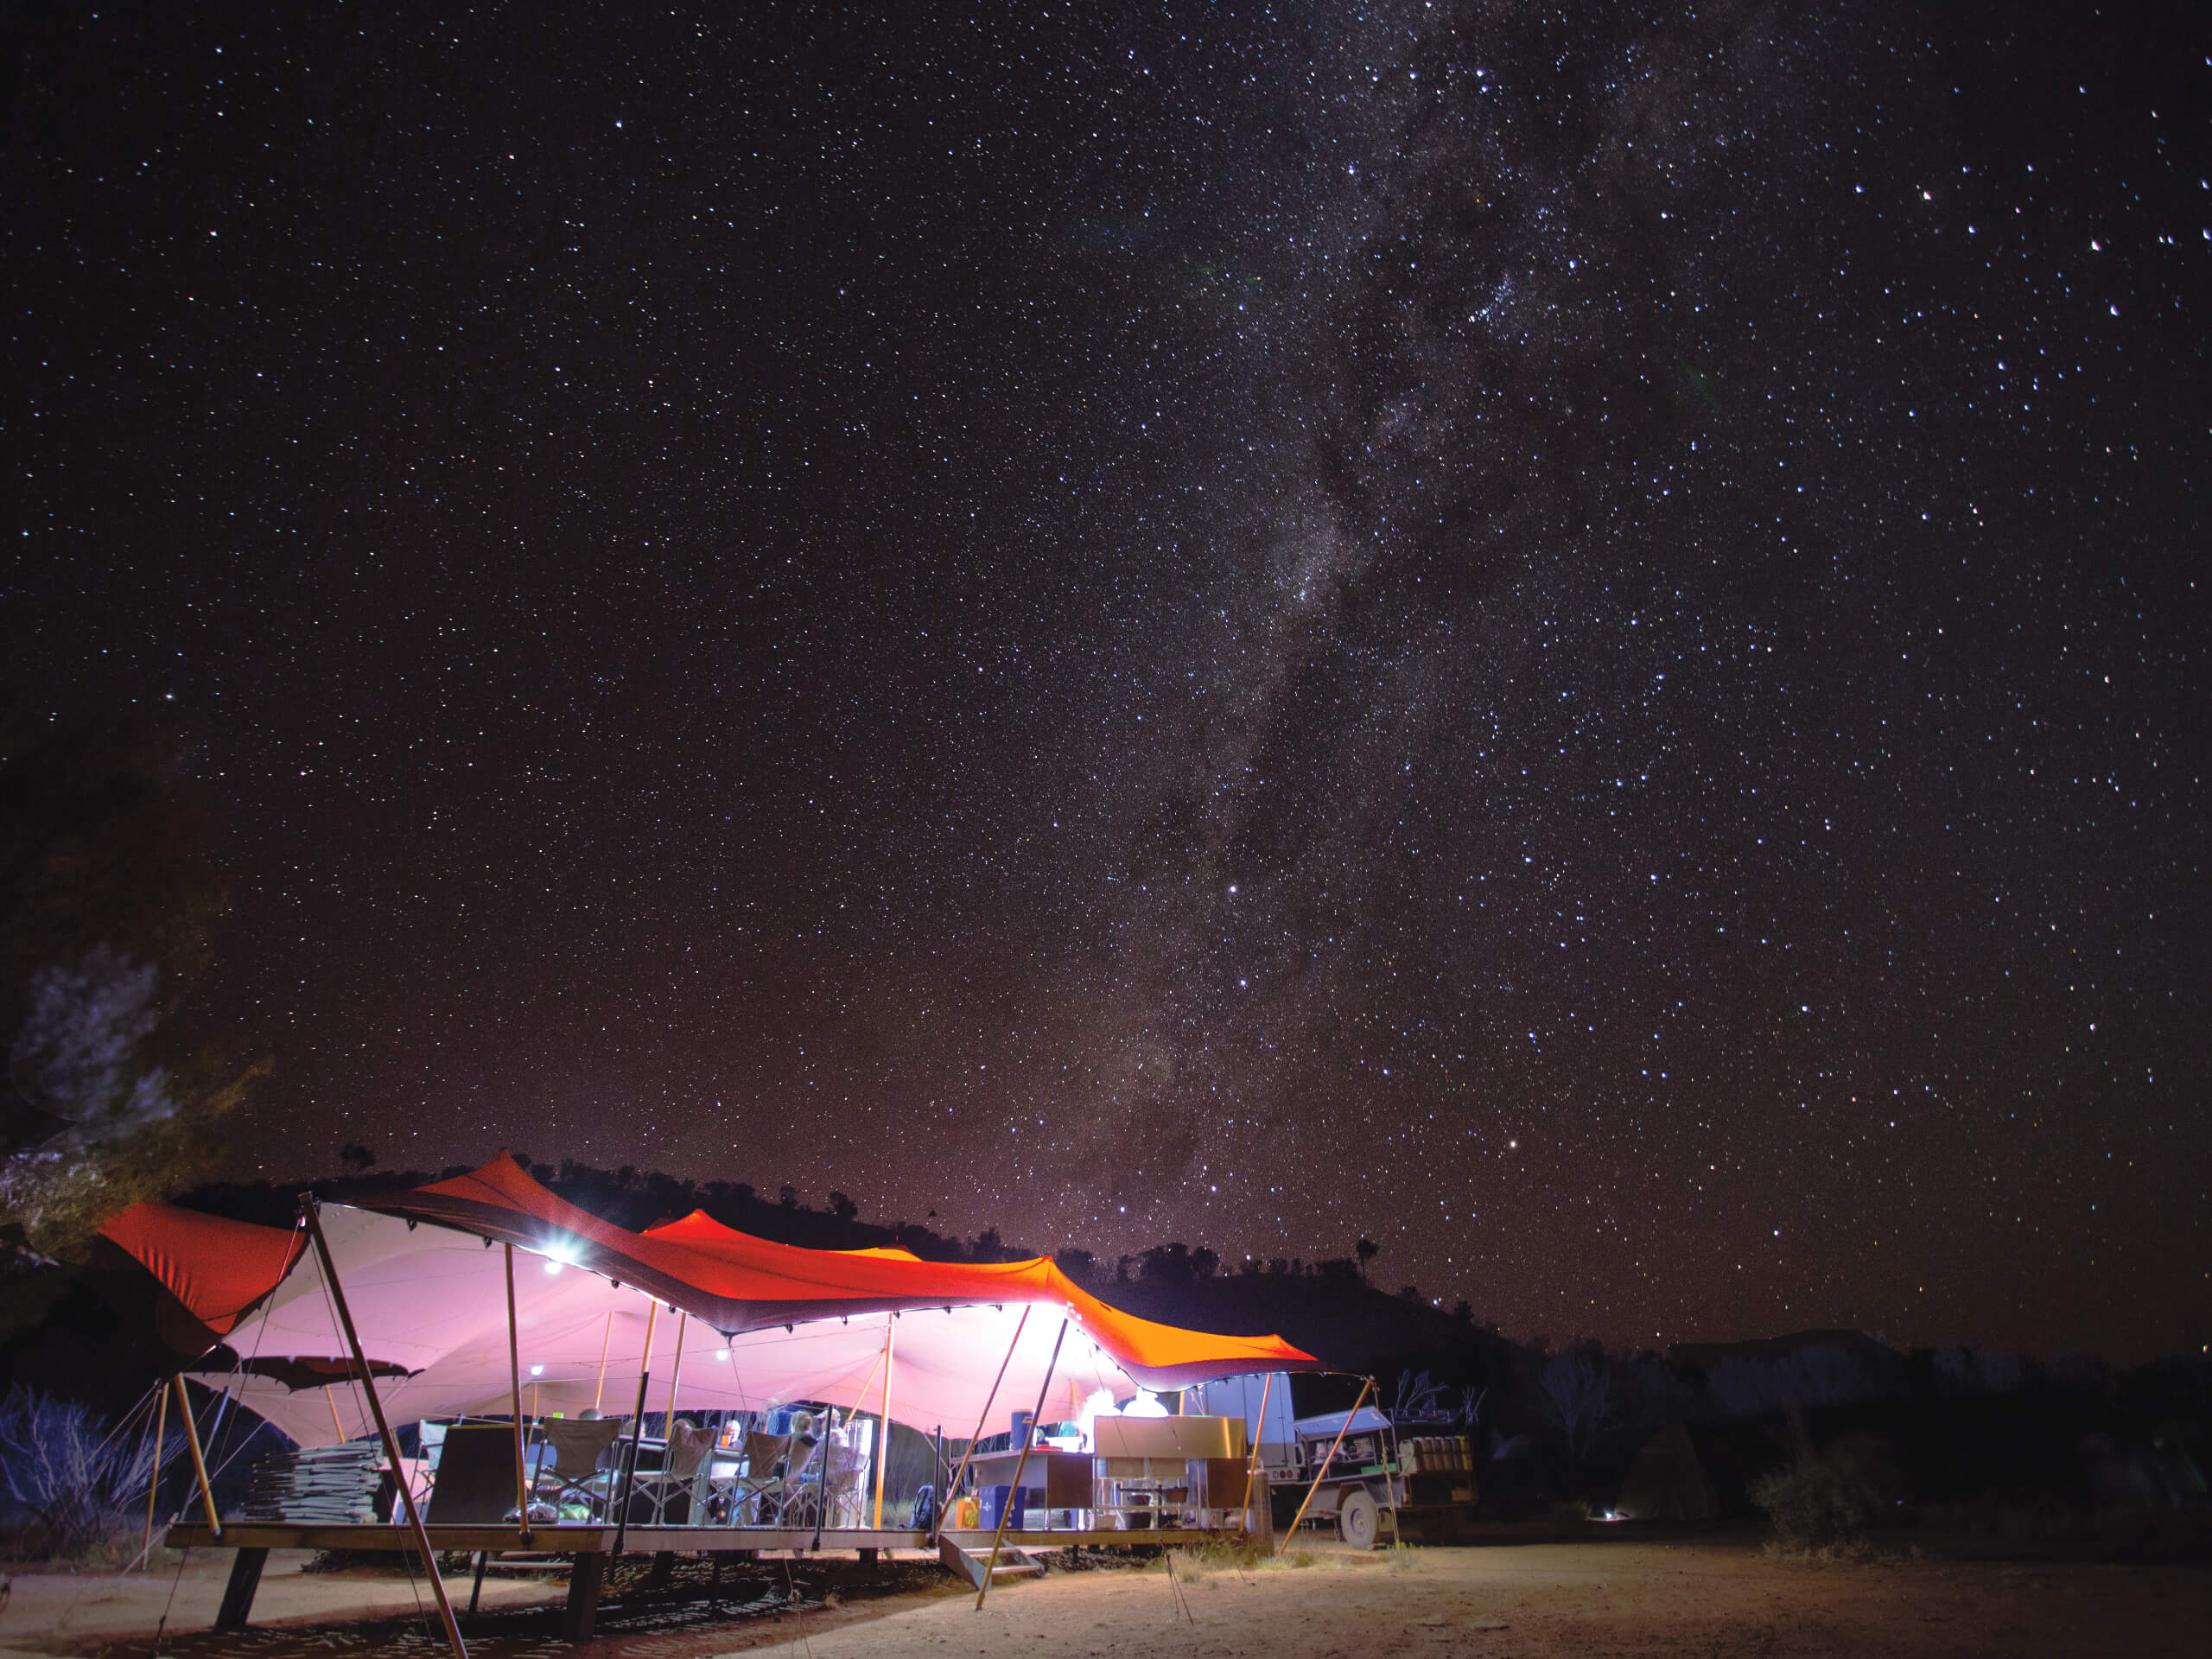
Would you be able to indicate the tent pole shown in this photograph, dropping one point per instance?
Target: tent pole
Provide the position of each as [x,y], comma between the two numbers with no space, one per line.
[676,1371]
[514,1397]
[1014,1494]
[1324,1468]
[822,1467]
[605,1338]
[883,1437]
[311,1210]
[1266,1382]
[952,1489]
[154,1480]
[637,1427]
[198,1458]
[331,1400]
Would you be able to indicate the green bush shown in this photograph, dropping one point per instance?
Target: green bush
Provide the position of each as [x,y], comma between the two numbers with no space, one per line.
[1833,1498]
[1816,1503]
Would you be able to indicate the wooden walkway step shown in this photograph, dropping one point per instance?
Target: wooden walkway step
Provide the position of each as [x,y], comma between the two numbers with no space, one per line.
[1011,1564]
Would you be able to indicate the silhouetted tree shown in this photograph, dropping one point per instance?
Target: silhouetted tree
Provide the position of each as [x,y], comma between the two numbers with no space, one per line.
[109,902]
[1168,1264]
[356,1157]
[1578,1395]
[1367,1249]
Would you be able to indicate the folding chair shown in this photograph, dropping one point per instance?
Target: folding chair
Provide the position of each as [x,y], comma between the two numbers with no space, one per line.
[662,1497]
[789,1499]
[729,1497]
[572,1481]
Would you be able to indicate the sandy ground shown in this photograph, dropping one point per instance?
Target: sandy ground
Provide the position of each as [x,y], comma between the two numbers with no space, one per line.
[60,1612]
[1713,1598]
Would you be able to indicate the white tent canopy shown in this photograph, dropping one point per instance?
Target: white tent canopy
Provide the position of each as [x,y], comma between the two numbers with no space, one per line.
[433,1301]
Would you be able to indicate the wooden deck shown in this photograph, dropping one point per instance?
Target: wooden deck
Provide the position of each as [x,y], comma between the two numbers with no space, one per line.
[591,1547]
[597,1537]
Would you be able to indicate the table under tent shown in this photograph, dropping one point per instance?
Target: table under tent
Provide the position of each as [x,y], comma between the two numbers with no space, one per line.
[582,1389]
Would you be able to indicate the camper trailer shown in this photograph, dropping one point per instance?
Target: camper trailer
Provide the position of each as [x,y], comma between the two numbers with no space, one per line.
[1387,1482]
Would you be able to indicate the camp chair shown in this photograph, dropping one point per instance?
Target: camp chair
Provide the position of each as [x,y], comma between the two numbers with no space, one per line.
[727,1496]
[788,1500]
[842,1490]
[832,1499]
[659,1492]
[573,1479]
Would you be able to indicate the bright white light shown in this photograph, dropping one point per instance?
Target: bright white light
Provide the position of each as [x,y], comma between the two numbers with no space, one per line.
[1099,1403]
[538,1371]
[559,1257]
[1146,1404]
[721,1353]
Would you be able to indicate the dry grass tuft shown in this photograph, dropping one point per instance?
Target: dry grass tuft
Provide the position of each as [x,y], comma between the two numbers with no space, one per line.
[1842,1552]
[1194,1563]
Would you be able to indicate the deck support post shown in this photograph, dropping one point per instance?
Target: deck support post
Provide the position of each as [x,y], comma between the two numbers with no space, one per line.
[238,1594]
[582,1612]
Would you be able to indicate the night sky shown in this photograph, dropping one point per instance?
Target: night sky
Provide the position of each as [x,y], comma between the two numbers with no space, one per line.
[1568,640]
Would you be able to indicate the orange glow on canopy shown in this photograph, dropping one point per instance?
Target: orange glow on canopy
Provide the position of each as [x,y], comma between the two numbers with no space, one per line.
[730,1280]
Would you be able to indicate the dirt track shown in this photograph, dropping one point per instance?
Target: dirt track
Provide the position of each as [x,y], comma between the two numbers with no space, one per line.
[1713,1597]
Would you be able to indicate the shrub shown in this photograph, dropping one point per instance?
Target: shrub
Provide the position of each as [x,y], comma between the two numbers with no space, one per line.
[1814,1503]
[78,1482]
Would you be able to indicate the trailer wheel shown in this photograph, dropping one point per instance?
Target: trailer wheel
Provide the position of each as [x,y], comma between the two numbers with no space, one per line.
[1358,1522]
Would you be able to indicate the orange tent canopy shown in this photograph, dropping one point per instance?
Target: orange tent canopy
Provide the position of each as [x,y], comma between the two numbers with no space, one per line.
[210,1271]
[729,1280]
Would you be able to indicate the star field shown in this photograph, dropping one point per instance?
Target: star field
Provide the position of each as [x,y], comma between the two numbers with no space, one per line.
[1563,638]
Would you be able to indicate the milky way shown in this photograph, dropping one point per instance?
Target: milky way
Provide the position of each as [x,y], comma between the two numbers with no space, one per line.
[1564,640]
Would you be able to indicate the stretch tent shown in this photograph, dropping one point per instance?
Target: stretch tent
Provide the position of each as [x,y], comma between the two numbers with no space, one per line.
[736,1322]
